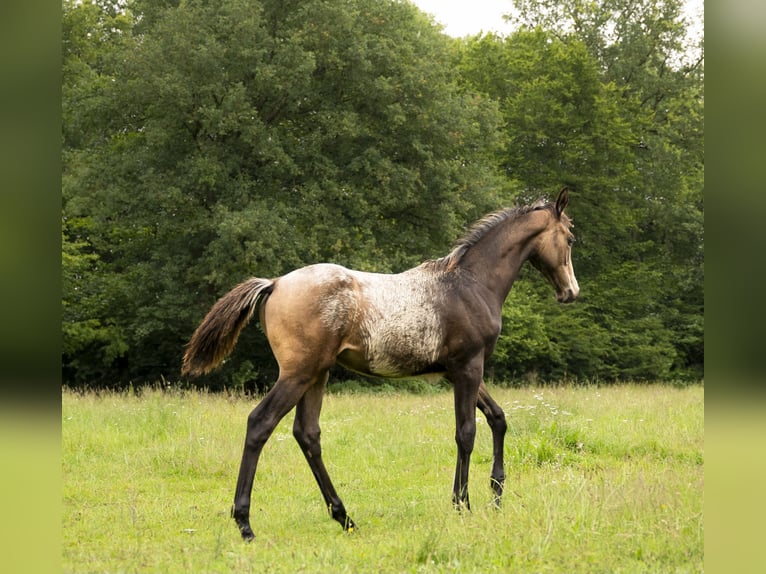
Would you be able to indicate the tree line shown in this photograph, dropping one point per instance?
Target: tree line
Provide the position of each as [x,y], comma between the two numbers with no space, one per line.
[205,141]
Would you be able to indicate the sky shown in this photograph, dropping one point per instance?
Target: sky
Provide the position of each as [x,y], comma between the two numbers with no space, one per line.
[463,17]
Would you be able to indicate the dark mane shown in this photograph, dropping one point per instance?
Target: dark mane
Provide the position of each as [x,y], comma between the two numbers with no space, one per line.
[479,230]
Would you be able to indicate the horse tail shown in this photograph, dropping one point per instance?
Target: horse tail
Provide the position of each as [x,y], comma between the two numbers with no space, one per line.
[217,335]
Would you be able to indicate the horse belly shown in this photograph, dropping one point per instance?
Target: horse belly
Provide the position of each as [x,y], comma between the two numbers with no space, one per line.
[404,345]
[400,330]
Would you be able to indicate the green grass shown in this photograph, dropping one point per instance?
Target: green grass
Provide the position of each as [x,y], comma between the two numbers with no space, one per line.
[598,480]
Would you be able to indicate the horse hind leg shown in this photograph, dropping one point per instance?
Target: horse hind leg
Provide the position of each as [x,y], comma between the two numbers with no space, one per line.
[496,421]
[306,431]
[260,425]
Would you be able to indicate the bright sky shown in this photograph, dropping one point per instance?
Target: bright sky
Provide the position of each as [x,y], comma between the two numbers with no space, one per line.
[463,17]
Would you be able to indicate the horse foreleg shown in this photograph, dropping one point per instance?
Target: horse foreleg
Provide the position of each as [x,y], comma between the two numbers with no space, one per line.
[466,388]
[496,421]
[260,425]
[306,431]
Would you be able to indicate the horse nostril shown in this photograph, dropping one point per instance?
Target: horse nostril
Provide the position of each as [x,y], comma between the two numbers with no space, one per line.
[567,296]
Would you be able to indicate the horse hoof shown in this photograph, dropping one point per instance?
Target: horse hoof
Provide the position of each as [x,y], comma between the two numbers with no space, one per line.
[247,534]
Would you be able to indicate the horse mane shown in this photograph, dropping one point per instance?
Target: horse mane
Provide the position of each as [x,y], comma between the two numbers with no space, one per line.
[479,230]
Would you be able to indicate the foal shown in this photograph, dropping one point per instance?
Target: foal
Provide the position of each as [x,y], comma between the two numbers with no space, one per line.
[441,318]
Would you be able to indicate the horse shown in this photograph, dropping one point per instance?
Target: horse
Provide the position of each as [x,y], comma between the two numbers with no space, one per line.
[439,319]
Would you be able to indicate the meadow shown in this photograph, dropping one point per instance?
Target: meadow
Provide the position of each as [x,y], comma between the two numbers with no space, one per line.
[599,479]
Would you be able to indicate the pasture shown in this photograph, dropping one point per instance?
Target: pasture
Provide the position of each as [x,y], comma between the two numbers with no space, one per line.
[599,479]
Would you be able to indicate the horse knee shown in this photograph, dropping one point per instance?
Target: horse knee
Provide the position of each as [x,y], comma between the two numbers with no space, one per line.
[495,418]
[304,436]
[308,439]
[497,422]
[465,437]
[258,430]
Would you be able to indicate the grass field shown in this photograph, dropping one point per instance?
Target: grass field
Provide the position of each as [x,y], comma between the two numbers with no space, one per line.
[603,479]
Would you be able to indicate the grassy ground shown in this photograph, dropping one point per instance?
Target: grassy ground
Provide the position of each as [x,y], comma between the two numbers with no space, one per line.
[599,480]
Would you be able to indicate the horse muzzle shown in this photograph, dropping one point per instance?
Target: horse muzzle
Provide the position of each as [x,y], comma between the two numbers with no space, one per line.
[568,295]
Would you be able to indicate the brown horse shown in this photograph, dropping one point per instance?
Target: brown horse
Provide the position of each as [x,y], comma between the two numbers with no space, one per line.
[441,318]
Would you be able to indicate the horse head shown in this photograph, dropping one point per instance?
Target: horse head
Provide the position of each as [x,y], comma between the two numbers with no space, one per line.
[553,253]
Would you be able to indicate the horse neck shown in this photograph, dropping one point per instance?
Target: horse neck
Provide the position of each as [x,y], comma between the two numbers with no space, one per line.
[495,260]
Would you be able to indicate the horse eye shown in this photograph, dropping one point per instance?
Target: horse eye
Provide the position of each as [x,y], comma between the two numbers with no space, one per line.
[570,240]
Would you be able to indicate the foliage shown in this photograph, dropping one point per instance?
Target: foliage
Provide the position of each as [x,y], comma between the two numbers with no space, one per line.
[204,142]
[255,137]
[93,345]
[611,115]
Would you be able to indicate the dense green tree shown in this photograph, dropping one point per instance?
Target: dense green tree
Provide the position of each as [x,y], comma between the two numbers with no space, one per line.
[254,137]
[91,341]
[205,141]
[617,113]
[95,36]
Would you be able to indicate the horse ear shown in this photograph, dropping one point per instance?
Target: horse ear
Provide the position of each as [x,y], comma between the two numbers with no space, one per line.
[562,200]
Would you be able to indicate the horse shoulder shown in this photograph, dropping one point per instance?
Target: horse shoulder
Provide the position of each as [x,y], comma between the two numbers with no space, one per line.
[473,319]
